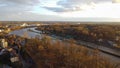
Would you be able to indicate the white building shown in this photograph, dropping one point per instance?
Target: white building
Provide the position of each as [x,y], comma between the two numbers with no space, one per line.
[14,59]
[24,24]
[37,24]
[3,43]
[1,30]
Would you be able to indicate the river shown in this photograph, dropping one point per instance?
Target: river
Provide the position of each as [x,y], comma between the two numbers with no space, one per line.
[26,32]
[34,33]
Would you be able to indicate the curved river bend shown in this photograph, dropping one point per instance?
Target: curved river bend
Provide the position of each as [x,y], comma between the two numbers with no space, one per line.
[26,31]
[34,33]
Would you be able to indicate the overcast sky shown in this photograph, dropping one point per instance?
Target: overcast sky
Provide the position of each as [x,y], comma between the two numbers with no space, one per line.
[60,10]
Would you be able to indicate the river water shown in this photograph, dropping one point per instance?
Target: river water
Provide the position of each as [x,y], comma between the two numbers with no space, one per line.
[26,32]
[34,33]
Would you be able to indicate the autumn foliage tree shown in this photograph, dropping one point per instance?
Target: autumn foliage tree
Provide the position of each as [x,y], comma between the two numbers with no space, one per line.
[49,54]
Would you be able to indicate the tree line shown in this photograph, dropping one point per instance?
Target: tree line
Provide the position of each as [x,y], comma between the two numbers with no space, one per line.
[99,34]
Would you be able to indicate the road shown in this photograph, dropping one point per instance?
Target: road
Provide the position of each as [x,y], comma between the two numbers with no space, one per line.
[101,48]
[112,54]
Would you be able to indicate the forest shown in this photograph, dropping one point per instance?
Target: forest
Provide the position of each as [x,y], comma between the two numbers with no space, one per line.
[107,35]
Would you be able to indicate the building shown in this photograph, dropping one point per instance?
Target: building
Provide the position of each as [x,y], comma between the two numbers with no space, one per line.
[1,30]
[112,43]
[3,43]
[24,24]
[8,29]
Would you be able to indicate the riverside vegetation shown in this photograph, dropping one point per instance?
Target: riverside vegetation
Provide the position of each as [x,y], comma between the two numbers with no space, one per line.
[56,54]
[104,34]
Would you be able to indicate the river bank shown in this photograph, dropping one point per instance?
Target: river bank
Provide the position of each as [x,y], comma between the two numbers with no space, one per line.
[113,52]
[15,47]
[113,59]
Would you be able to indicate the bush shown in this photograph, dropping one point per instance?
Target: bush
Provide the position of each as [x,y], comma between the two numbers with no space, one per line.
[57,54]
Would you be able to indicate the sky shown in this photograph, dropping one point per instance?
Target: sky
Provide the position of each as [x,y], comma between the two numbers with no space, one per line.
[60,10]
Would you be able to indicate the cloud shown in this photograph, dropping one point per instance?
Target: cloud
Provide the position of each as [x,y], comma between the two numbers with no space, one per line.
[57,10]
[27,16]
[71,3]
[79,5]
[13,8]
[35,17]
[25,2]
[60,9]
[8,6]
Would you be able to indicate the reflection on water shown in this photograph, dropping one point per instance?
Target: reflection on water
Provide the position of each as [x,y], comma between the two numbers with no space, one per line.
[26,32]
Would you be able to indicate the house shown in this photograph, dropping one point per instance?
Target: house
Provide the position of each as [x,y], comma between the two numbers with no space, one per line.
[1,30]
[24,24]
[117,38]
[37,24]
[8,29]
[112,43]
[3,43]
